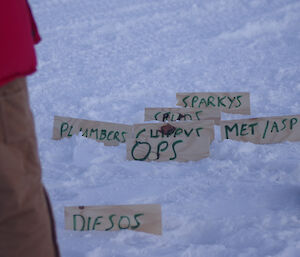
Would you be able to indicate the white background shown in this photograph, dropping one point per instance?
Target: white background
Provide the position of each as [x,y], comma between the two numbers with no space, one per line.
[107,60]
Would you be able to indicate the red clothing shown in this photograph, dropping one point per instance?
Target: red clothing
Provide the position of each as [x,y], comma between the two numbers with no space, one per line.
[18,34]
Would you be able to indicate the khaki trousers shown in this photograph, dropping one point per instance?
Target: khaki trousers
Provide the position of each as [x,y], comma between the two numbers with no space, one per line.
[26,221]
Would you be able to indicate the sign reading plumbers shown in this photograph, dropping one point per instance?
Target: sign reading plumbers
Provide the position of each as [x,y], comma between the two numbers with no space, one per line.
[267,130]
[181,114]
[178,141]
[237,103]
[144,218]
[106,132]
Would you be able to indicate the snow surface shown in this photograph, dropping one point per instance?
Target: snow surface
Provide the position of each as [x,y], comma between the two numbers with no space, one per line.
[107,60]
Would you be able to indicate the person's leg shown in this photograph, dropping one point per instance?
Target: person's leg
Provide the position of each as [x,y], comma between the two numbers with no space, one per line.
[26,223]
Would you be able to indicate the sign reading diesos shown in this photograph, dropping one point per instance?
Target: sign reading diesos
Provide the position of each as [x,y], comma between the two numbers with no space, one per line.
[144,218]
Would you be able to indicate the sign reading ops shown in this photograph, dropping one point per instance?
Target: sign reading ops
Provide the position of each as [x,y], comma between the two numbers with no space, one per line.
[182,114]
[179,141]
[106,132]
[144,218]
[267,130]
[237,103]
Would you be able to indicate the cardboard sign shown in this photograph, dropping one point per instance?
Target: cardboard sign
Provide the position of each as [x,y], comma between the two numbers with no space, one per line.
[145,218]
[267,130]
[106,132]
[182,114]
[238,103]
[179,141]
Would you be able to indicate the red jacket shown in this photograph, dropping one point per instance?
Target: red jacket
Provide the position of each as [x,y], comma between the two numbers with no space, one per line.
[18,34]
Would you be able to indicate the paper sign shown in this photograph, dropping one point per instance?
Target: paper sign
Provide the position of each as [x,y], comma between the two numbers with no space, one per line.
[238,103]
[267,130]
[106,132]
[179,141]
[144,218]
[182,114]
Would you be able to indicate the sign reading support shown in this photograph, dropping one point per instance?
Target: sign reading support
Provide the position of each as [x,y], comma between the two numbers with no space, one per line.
[145,218]
[179,141]
[182,114]
[237,103]
[106,132]
[267,130]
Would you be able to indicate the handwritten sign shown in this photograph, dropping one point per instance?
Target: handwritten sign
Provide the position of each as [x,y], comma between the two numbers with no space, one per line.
[179,141]
[182,114]
[238,103]
[106,132]
[267,130]
[144,218]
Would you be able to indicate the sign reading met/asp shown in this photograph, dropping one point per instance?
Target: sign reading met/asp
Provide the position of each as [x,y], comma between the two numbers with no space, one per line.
[266,130]
[233,102]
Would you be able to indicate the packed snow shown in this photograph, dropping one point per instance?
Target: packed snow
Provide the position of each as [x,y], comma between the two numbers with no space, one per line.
[107,60]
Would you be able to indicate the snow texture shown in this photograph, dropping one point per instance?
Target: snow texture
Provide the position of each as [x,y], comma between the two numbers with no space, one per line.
[107,60]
